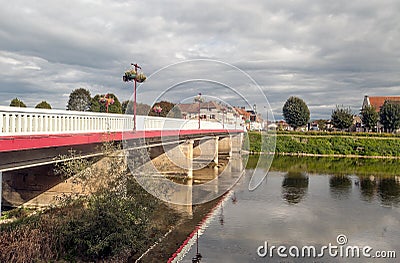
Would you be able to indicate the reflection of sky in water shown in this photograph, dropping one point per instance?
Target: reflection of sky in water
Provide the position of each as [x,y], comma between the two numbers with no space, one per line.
[329,206]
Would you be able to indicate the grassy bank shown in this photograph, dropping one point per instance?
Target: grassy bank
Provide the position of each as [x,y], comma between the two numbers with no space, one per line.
[328,165]
[326,144]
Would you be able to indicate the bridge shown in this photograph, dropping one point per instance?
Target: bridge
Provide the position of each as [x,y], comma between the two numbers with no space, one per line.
[34,137]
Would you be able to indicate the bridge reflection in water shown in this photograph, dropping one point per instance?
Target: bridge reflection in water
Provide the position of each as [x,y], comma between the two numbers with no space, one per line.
[191,172]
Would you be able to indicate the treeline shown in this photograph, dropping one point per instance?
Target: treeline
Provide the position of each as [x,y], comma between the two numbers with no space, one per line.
[19,103]
[296,114]
[81,100]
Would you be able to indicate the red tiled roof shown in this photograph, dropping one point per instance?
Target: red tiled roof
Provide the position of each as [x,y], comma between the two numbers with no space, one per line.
[377,102]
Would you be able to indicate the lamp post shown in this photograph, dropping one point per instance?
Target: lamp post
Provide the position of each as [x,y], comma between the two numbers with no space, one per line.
[132,75]
[107,100]
[199,99]
[223,118]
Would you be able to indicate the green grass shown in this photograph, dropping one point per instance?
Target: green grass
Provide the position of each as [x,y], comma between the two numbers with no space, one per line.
[309,143]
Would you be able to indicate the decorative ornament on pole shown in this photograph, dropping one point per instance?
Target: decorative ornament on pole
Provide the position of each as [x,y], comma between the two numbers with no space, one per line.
[107,100]
[157,109]
[135,76]
[200,100]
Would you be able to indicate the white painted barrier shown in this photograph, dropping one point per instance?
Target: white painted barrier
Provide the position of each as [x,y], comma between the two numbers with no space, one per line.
[31,121]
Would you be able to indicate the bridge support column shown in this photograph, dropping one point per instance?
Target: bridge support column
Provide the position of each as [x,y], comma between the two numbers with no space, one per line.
[225,146]
[189,157]
[216,139]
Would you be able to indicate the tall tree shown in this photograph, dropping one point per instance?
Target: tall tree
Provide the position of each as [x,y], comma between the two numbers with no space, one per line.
[17,103]
[321,124]
[43,105]
[342,118]
[296,112]
[97,106]
[390,116]
[369,117]
[141,108]
[79,100]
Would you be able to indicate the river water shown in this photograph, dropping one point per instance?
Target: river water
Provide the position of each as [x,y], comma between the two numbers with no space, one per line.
[309,202]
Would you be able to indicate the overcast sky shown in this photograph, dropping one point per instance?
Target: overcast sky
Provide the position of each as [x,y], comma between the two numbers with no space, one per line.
[326,52]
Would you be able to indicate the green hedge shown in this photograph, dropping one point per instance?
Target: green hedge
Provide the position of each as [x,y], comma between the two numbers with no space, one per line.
[329,145]
[338,133]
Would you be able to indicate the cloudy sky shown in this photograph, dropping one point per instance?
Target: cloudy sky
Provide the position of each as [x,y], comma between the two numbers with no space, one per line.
[326,52]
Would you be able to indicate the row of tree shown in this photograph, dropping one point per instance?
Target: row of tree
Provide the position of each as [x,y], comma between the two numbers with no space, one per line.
[19,103]
[81,100]
[297,114]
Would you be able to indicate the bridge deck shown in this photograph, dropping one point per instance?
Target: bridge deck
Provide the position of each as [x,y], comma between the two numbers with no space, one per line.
[28,142]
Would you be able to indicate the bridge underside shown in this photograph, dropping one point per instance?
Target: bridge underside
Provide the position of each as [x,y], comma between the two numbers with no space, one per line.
[28,177]
[41,150]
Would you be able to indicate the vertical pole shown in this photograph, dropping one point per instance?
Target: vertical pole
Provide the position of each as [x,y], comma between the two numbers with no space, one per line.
[199,114]
[134,104]
[223,119]
[1,188]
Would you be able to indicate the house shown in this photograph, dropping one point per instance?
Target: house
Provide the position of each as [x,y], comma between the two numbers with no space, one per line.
[251,119]
[377,102]
[210,111]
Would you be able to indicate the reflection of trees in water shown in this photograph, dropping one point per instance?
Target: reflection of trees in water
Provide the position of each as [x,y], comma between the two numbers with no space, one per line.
[340,186]
[368,188]
[294,187]
[389,191]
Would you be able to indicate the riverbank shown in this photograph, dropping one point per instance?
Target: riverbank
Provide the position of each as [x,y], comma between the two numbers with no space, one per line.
[326,145]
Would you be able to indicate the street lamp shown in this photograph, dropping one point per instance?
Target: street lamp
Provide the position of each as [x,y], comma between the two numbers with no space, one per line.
[132,75]
[223,118]
[199,99]
[107,100]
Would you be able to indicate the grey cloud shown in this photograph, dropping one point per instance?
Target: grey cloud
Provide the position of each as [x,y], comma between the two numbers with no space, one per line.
[325,52]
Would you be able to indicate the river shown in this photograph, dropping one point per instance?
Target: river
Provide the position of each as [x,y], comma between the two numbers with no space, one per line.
[313,202]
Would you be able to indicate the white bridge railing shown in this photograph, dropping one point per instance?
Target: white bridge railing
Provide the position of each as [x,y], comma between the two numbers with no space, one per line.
[29,121]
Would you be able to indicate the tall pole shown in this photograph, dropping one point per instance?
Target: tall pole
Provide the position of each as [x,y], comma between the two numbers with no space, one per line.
[199,114]
[223,119]
[134,96]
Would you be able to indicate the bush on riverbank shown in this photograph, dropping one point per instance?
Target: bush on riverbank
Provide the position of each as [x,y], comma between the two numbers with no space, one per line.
[329,145]
[117,221]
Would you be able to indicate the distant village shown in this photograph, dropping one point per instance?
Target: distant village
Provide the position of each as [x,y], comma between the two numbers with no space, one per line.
[251,120]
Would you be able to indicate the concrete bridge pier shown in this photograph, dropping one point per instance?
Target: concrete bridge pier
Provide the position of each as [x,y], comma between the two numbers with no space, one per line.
[188,153]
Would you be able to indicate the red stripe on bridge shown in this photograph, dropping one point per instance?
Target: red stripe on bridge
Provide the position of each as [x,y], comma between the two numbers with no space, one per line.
[27,142]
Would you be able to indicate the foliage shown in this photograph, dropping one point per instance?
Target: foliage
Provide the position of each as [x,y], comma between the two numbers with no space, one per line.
[79,100]
[337,133]
[141,108]
[327,145]
[322,124]
[97,106]
[390,116]
[342,118]
[296,112]
[17,103]
[112,223]
[43,105]
[369,117]
[169,110]
[334,166]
